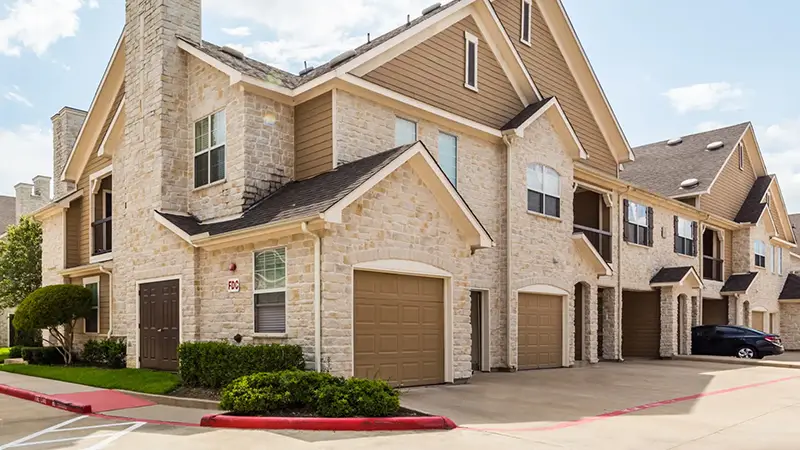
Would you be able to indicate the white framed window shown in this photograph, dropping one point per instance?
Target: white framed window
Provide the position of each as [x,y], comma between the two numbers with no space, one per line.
[684,238]
[209,149]
[740,150]
[405,131]
[544,190]
[779,259]
[525,22]
[470,61]
[637,223]
[269,290]
[91,324]
[448,156]
[760,251]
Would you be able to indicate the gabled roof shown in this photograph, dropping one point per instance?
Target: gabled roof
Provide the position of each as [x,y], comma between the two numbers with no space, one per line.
[738,283]
[669,276]
[794,219]
[791,288]
[662,168]
[8,212]
[326,195]
[558,120]
[752,207]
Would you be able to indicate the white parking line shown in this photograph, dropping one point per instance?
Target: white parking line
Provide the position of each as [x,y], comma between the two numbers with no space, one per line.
[58,428]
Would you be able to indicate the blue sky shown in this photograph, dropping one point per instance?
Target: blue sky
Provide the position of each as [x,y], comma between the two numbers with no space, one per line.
[668,68]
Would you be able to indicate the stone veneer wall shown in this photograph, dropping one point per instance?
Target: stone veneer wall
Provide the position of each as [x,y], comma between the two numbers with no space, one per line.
[790,325]
[768,284]
[67,125]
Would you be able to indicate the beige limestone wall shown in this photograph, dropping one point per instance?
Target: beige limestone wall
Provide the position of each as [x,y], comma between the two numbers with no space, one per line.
[67,124]
[742,245]
[790,325]
[53,249]
[765,290]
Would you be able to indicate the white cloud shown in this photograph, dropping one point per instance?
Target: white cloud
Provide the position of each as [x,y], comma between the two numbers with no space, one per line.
[708,126]
[238,31]
[706,97]
[780,145]
[313,30]
[15,95]
[94,4]
[37,24]
[36,143]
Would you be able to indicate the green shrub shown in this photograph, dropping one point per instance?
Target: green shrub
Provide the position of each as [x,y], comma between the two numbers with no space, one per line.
[15,352]
[28,338]
[106,353]
[327,395]
[46,356]
[216,364]
[357,398]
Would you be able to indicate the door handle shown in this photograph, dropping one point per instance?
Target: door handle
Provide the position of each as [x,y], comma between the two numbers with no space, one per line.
[159,330]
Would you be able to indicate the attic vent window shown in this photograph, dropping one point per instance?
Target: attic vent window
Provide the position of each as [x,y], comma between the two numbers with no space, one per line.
[471,61]
[675,141]
[233,52]
[716,145]
[690,183]
[431,8]
[525,31]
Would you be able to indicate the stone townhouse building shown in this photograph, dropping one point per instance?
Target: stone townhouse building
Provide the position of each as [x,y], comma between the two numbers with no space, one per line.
[448,197]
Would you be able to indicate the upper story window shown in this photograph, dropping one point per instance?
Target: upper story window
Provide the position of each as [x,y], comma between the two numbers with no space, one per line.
[638,223]
[448,156]
[525,22]
[269,290]
[740,151]
[209,149]
[779,260]
[760,251]
[544,190]
[101,209]
[471,61]
[685,236]
[91,324]
[405,132]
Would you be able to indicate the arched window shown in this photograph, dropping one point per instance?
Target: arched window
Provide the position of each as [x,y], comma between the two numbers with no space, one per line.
[544,190]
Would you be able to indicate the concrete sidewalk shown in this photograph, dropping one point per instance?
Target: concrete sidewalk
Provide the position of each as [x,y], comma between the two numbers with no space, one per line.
[108,402]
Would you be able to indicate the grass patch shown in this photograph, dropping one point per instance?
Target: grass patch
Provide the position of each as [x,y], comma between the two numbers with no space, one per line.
[4,352]
[137,380]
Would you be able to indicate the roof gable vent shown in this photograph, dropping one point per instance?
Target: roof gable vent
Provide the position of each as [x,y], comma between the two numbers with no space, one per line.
[233,52]
[675,141]
[431,8]
[343,57]
[690,183]
[716,145]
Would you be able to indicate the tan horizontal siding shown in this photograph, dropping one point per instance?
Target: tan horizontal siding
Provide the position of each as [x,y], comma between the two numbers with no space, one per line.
[104,301]
[433,73]
[314,136]
[731,188]
[72,240]
[552,76]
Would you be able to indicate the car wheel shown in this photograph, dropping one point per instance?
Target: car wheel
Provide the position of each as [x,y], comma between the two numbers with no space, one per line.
[746,352]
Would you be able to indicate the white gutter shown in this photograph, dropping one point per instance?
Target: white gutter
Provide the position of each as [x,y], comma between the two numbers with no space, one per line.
[110,300]
[509,291]
[317,297]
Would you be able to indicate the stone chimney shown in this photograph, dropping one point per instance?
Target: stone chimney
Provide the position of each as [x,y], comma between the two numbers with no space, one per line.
[30,197]
[41,186]
[66,126]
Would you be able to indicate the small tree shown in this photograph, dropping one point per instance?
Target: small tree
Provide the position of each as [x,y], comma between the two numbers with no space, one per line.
[55,308]
[20,262]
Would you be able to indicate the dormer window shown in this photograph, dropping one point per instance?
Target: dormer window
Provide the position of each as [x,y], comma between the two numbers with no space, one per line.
[525,32]
[740,150]
[471,61]
[209,149]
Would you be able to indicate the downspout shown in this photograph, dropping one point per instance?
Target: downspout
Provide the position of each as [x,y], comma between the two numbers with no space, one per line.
[110,300]
[620,230]
[509,291]
[317,297]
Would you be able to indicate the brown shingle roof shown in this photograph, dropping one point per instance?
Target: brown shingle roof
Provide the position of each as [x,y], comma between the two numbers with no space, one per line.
[752,208]
[661,168]
[795,221]
[738,282]
[670,275]
[8,212]
[791,288]
[525,114]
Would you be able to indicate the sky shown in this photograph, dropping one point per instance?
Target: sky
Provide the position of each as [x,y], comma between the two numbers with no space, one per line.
[667,68]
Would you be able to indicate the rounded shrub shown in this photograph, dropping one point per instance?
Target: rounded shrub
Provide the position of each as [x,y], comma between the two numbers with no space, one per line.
[357,398]
[105,353]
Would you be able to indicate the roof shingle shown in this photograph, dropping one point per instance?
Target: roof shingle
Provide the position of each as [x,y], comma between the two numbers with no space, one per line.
[752,207]
[791,288]
[738,282]
[670,275]
[525,114]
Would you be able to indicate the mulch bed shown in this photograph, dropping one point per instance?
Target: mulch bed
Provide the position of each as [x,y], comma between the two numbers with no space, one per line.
[196,392]
[308,412]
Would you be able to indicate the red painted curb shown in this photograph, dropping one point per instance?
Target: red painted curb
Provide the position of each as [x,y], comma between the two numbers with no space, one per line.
[44,399]
[329,424]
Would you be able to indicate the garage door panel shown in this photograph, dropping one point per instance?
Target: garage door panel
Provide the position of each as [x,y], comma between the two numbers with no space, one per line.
[540,319]
[409,328]
[641,324]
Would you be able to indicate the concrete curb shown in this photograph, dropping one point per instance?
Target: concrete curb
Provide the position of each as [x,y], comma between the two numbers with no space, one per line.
[738,361]
[44,399]
[329,424]
[182,402]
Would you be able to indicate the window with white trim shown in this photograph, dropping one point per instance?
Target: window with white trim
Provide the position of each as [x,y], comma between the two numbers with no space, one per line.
[405,131]
[448,156]
[470,61]
[779,259]
[544,190]
[637,224]
[525,22]
[91,324]
[771,257]
[740,150]
[684,238]
[269,290]
[209,149]
[760,251]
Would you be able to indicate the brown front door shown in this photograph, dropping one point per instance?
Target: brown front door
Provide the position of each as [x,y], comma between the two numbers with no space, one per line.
[539,331]
[475,319]
[758,321]
[399,328]
[641,324]
[715,311]
[579,322]
[159,325]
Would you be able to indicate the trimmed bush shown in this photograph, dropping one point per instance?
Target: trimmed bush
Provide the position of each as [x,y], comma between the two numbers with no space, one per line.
[216,364]
[106,353]
[28,338]
[322,393]
[357,398]
[15,352]
[46,356]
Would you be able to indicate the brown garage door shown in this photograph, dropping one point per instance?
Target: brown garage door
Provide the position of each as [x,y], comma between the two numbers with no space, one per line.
[540,326]
[399,328]
[159,325]
[715,311]
[757,321]
[641,324]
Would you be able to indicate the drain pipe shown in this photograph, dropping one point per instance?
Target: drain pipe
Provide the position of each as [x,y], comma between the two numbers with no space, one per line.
[110,299]
[317,297]
[509,291]
[620,230]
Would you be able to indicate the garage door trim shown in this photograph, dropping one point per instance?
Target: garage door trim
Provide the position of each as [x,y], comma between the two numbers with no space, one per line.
[409,268]
[546,289]
[177,278]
